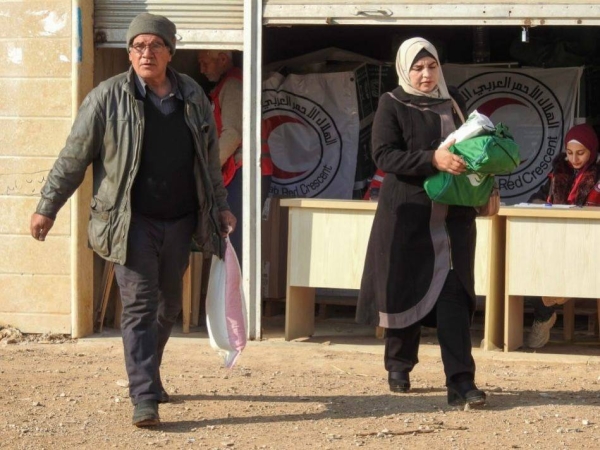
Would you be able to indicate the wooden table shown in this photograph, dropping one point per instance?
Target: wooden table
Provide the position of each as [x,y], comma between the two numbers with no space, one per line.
[549,252]
[327,244]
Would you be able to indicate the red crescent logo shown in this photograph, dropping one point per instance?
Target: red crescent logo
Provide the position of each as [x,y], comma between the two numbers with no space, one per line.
[268,126]
[488,108]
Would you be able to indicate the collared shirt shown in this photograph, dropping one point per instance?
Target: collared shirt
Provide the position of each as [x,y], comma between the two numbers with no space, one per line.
[167,104]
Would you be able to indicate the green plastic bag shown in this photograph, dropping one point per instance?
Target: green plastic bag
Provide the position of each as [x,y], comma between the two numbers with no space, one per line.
[485,156]
[495,154]
[466,189]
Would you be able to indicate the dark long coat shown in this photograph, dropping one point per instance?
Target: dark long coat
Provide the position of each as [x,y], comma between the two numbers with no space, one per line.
[414,242]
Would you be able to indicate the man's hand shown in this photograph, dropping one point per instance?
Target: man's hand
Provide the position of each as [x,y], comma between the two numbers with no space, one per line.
[40,226]
[445,161]
[228,222]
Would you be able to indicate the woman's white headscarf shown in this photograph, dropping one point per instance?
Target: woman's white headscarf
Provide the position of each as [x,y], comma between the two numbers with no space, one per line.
[404,61]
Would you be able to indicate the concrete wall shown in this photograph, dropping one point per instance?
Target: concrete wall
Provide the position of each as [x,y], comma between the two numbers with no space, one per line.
[36,106]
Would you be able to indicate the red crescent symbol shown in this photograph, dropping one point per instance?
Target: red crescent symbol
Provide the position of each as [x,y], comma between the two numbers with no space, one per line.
[488,108]
[268,126]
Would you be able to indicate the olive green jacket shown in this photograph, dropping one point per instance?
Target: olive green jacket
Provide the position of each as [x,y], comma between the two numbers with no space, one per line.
[108,132]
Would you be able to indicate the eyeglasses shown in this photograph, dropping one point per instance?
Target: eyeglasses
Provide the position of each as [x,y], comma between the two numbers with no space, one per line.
[155,47]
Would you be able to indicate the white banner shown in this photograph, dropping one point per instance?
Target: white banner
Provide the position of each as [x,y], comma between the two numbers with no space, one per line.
[538,106]
[310,127]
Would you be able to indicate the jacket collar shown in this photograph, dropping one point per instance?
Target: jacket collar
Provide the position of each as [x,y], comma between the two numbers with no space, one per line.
[190,91]
[420,100]
[142,87]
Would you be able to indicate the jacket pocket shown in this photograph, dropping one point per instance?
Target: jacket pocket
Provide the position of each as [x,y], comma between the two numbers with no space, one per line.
[99,232]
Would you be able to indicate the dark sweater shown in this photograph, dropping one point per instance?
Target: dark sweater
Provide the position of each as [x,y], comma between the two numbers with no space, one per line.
[164,186]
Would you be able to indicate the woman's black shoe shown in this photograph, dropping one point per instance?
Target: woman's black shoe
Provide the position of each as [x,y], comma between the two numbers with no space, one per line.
[399,381]
[465,393]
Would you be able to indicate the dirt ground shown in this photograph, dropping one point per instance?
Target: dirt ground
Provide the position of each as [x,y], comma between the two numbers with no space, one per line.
[327,392]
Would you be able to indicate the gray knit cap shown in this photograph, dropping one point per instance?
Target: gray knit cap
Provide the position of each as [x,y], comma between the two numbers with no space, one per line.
[146,23]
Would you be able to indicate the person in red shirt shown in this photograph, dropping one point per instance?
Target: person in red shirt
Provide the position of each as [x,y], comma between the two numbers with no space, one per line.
[574,180]
[227,101]
[373,190]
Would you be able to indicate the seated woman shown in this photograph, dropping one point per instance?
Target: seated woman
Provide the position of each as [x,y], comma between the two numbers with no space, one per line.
[574,181]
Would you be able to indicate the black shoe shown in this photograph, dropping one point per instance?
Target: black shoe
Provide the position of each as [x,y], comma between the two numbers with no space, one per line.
[399,381]
[145,414]
[462,393]
[164,397]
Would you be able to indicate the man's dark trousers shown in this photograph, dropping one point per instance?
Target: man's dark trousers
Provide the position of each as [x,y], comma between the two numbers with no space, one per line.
[151,284]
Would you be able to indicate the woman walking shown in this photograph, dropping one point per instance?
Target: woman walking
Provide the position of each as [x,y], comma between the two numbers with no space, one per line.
[420,257]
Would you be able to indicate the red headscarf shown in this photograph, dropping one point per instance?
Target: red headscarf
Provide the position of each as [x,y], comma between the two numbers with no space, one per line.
[586,136]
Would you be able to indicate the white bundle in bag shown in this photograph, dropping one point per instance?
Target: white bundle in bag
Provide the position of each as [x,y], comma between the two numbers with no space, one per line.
[476,125]
[226,316]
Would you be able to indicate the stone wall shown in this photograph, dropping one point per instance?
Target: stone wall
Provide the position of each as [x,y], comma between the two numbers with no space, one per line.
[36,91]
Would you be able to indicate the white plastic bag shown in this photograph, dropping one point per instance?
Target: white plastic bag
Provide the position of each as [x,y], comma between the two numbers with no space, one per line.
[476,125]
[226,316]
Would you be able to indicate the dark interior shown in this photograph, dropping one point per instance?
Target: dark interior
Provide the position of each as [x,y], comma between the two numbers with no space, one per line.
[455,44]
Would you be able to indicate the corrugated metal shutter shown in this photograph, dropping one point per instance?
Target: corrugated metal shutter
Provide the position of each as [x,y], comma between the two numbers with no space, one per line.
[215,24]
[432,12]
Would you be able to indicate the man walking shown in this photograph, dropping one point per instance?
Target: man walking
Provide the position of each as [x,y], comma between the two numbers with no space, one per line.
[151,137]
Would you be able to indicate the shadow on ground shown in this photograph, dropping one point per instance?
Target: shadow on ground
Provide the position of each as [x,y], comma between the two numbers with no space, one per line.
[364,406]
